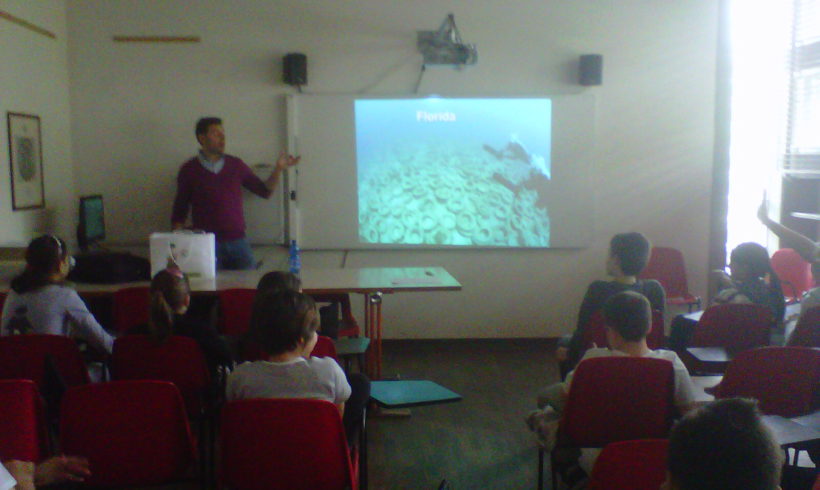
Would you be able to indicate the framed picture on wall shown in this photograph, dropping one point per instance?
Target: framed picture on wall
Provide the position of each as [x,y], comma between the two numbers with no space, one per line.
[26,161]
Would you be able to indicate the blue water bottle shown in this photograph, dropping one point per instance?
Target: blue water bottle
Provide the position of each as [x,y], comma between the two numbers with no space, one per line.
[294,261]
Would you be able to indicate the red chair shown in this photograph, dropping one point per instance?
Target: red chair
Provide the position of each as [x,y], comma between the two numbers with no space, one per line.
[25,357]
[178,360]
[235,308]
[134,433]
[734,326]
[807,331]
[324,348]
[784,380]
[596,331]
[793,272]
[131,307]
[285,444]
[630,465]
[23,434]
[615,399]
[349,327]
[666,265]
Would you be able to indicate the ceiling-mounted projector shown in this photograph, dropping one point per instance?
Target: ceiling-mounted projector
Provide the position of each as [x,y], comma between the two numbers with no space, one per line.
[445,47]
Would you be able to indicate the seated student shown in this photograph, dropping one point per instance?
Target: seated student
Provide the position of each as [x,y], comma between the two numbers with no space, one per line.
[628,255]
[170,299]
[752,281]
[286,281]
[25,475]
[723,446]
[284,324]
[277,281]
[40,303]
[628,318]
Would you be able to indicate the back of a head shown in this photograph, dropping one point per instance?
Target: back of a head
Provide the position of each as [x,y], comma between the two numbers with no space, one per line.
[629,314]
[632,250]
[753,256]
[169,291]
[280,319]
[44,255]
[724,446]
[277,281]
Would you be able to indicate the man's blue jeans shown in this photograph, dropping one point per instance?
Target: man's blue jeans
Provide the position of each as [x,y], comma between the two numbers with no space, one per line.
[234,255]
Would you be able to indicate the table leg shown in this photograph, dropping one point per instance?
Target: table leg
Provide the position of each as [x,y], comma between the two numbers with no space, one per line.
[373,330]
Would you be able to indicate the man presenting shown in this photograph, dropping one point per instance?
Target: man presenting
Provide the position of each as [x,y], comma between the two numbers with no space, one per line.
[211,185]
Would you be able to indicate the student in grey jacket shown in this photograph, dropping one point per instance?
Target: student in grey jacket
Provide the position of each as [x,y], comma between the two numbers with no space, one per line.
[40,303]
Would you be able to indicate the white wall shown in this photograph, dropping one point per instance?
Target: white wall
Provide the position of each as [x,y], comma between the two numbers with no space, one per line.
[34,80]
[137,103]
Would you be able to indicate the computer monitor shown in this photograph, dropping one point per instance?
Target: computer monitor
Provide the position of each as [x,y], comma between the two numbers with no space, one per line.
[92,221]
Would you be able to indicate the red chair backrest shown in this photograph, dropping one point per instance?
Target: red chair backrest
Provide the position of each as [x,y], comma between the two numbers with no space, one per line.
[793,272]
[179,360]
[733,326]
[24,357]
[784,380]
[807,331]
[131,307]
[618,399]
[284,443]
[22,425]
[235,307]
[630,465]
[133,433]
[349,326]
[324,348]
[666,265]
[596,331]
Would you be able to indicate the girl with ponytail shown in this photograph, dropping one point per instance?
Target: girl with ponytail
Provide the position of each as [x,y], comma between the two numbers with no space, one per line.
[40,303]
[170,299]
[752,280]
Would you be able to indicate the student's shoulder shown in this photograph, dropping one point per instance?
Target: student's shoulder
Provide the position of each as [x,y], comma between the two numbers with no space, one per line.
[600,287]
[668,355]
[325,364]
[599,352]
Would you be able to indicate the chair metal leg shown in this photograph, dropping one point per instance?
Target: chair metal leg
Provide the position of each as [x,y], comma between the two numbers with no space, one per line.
[540,468]
[554,473]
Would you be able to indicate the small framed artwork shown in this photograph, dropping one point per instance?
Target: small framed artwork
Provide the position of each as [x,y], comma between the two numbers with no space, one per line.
[26,162]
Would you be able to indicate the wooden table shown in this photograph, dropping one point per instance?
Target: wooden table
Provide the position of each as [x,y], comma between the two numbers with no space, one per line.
[371,282]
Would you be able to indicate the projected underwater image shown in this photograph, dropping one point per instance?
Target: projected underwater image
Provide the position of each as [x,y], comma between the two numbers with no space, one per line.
[454,172]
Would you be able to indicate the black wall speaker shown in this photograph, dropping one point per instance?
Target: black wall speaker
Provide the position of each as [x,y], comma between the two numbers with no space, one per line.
[294,69]
[591,67]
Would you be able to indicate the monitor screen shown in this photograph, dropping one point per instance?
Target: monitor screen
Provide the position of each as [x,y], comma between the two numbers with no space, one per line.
[92,222]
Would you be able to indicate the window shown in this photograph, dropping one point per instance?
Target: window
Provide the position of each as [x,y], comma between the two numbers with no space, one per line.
[802,149]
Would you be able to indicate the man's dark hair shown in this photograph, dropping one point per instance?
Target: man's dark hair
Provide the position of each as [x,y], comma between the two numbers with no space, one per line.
[279,281]
[629,314]
[280,319]
[724,446]
[204,124]
[632,250]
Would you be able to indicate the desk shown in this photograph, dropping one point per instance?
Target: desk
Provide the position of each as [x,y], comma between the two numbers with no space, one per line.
[410,393]
[372,282]
[712,359]
[789,433]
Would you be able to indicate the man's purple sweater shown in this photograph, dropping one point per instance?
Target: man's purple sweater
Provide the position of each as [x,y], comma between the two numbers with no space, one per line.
[216,199]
